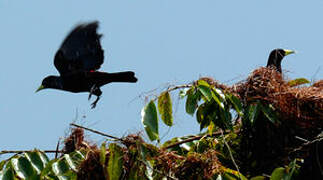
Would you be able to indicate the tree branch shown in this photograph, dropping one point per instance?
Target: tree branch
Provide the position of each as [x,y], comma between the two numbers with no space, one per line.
[197,138]
[97,132]
[24,151]
[173,88]
[307,143]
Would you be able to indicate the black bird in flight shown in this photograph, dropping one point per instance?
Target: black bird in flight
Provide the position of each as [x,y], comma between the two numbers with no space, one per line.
[77,61]
[276,56]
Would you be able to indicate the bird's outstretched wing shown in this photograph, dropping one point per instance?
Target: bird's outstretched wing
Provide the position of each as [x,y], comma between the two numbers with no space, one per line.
[81,50]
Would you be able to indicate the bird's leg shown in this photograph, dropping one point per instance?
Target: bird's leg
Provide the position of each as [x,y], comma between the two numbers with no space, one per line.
[93,89]
[94,103]
[96,91]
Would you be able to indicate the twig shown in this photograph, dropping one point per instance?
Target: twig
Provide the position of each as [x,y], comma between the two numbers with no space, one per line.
[169,89]
[179,87]
[57,147]
[306,144]
[266,175]
[97,132]
[302,139]
[23,151]
[316,72]
[196,138]
[231,156]
[184,141]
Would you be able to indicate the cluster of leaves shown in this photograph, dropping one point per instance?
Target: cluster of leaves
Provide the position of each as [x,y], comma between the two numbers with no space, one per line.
[140,161]
[137,160]
[214,109]
[113,167]
[286,173]
[36,165]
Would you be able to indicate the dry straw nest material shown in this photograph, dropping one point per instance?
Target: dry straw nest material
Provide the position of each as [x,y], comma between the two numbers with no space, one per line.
[75,141]
[301,105]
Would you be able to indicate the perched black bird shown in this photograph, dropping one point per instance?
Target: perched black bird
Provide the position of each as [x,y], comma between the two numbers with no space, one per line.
[276,56]
[77,61]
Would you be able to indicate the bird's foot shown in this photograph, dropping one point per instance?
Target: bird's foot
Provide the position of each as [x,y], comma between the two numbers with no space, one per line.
[93,88]
[93,105]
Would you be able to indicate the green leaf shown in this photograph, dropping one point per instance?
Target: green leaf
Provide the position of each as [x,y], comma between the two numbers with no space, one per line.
[23,168]
[150,120]
[37,161]
[203,83]
[226,119]
[143,151]
[211,128]
[60,167]
[165,108]
[297,82]
[235,101]
[146,150]
[2,163]
[205,91]
[47,171]
[219,93]
[204,144]
[205,121]
[77,157]
[69,160]
[103,153]
[292,169]
[270,113]
[211,112]
[43,157]
[230,174]
[216,98]
[136,171]
[183,92]
[63,166]
[278,174]
[70,175]
[258,178]
[115,162]
[201,116]
[7,173]
[253,112]
[191,101]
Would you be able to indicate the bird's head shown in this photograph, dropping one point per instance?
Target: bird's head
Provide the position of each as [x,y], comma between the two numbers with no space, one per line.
[50,82]
[276,56]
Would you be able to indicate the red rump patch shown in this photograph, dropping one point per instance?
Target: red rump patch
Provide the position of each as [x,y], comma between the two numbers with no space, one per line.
[91,70]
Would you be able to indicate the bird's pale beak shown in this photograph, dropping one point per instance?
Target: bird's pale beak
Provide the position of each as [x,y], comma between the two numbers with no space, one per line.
[40,88]
[287,52]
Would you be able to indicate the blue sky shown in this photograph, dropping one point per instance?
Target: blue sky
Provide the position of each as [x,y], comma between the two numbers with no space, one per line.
[163,41]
